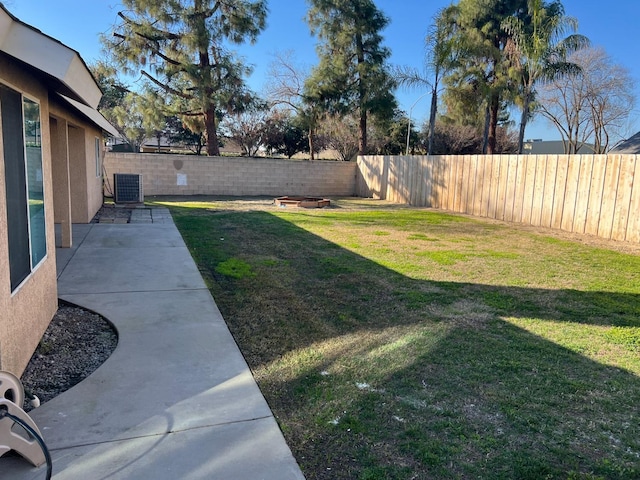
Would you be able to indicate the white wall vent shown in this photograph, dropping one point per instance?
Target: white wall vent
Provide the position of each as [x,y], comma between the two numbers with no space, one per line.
[128,188]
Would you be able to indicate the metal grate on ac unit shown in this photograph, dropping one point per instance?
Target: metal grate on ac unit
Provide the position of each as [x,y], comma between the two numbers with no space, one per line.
[128,188]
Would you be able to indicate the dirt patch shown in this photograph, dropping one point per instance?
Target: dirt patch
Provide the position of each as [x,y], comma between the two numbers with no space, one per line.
[74,345]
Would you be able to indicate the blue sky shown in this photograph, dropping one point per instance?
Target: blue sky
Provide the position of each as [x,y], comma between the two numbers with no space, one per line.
[77,23]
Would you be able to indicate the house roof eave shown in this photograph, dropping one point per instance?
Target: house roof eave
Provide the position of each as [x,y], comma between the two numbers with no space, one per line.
[50,56]
[94,116]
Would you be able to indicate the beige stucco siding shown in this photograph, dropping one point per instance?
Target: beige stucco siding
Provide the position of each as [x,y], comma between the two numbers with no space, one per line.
[26,312]
[86,187]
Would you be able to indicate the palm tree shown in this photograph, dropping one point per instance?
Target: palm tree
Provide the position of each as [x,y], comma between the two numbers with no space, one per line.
[439,59]
[539,51]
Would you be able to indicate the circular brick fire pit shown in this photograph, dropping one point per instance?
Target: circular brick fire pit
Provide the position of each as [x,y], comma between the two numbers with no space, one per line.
[304,202]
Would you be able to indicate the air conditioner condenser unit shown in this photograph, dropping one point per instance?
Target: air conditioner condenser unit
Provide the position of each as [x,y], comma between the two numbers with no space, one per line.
[128,188]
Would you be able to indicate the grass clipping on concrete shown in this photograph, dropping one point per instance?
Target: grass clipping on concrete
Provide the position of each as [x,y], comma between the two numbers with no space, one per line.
[399,343]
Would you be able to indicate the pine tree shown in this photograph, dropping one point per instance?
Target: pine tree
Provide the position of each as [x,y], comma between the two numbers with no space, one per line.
[181,46]
[352,75]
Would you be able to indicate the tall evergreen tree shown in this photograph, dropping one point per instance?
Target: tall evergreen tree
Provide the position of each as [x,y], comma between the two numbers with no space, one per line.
[180,46]
[352,75]
[484,70]
[113,89]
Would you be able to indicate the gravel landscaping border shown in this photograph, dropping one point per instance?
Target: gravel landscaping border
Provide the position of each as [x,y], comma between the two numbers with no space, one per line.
[74,345]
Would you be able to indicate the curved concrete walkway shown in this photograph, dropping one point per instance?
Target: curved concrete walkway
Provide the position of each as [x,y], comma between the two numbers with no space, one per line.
[176,399]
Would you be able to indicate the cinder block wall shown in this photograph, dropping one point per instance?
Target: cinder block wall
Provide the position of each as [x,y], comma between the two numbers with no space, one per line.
[193,175]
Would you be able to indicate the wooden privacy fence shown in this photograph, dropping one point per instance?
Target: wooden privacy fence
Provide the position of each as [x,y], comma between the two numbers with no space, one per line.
[592,194]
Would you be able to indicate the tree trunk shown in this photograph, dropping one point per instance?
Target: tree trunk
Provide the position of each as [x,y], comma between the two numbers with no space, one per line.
[523,121]
[213,149]
[432,119]
[311,146]
[362,140]
[485,133]
[493,125]
[199,145]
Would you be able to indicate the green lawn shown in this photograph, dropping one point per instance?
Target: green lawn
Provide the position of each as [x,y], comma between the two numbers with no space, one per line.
[399,343]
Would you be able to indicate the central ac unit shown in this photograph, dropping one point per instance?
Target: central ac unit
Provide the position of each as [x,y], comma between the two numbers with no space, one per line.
[127,188]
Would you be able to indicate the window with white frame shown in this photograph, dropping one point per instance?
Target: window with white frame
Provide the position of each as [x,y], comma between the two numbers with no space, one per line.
[22,148]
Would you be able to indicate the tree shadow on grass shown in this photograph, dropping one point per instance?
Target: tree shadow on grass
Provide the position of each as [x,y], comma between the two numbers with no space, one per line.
[373,374]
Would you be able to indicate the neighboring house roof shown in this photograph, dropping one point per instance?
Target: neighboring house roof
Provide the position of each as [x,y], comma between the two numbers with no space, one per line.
[630,145]
[153,142]
[551,147]
[61,66]
[147,142]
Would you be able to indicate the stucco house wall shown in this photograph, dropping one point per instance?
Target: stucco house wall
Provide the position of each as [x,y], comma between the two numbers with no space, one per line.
[50,166]
[27,311]
[85,181]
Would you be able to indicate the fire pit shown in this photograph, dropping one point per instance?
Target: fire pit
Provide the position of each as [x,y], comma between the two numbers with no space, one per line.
[304,202]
